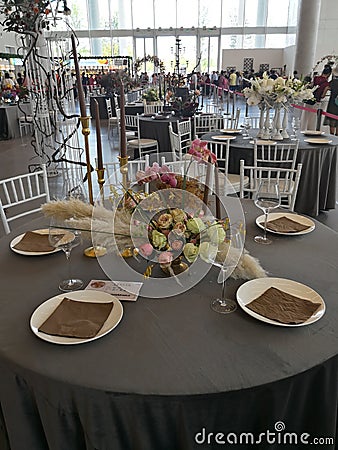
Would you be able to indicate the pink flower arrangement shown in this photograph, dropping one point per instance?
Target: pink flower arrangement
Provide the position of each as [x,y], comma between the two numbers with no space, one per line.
[200,151]
[156,172]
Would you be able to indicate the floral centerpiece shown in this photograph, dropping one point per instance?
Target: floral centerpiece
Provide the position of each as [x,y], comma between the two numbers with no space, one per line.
[184,107]
[9,95]
[268,93]
[151,95]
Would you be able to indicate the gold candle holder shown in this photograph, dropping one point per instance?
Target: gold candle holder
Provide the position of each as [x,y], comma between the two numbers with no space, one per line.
[100,177]
[124,170]
[86,133]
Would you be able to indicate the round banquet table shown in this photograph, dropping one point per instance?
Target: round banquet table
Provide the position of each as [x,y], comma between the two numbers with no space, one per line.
[317,185]
[158,129]
[172,367]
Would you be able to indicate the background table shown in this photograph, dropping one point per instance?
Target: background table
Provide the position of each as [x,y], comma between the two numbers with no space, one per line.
[159,130]
[317,186]
[173,366]
[9,116]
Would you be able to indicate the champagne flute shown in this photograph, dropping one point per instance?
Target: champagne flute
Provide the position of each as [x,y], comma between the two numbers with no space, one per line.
[226,257]
[246,125]
[295,127]
[63,236]
[267,197]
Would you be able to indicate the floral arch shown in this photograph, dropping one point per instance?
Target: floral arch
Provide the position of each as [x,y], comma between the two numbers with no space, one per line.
[154,59]
[328,59]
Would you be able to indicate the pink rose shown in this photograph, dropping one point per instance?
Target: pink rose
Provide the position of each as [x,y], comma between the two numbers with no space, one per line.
[165,258]
[146,249]
[176,245]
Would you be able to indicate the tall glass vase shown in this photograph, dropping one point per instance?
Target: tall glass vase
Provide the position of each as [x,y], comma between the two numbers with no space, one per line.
[276,135]
[284,132]
[261,107]
[266,129]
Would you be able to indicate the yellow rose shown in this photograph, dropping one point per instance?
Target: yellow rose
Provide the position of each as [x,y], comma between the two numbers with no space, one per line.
[165,220]
[178,215]
[159,239]
[216,233]
[208,252]
[190,252]
[195,226]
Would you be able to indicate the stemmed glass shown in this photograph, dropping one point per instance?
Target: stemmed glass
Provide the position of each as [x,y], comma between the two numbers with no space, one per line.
[246,125]
[63,236]
[267,197]
[227,260]
[295,123]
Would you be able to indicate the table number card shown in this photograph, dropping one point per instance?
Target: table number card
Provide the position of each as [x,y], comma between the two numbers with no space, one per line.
[123,290]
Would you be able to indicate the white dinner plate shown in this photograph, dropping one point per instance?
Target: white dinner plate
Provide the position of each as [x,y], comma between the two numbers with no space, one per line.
[231,130]
[22,252]
[312,132]
[223,138]
[254,288]
[296,217]
[42,312]
[264,142]
[318,141]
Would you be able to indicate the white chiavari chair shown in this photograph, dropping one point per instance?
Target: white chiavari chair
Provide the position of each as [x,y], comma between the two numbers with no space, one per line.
[22,195]
[153,109]
[287,179]
[204,123]
[143,145]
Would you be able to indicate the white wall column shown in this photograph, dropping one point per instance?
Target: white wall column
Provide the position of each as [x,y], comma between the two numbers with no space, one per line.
[307,32]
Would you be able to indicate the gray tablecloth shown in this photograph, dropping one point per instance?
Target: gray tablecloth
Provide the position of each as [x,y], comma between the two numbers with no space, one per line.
[317,186]
[172,366]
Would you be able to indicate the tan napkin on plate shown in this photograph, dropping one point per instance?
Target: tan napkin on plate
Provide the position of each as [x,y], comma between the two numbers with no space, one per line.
[283,307]
[34,242]
[285,225]
[77,319]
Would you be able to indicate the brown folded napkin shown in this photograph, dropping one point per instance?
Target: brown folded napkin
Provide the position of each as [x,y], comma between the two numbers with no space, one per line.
[283,307]
[34,242]
[77,319]
[285,225]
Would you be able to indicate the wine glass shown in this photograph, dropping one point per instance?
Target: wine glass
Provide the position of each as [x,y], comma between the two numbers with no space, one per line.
[246,125]
[267,197]
[226,257]
[63,236]
[295,127]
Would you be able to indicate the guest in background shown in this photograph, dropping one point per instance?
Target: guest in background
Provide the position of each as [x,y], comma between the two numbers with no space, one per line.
[19,79]
[7,82]
[233,80]
[332,106]
[309,119]
[223,85]
[207,82]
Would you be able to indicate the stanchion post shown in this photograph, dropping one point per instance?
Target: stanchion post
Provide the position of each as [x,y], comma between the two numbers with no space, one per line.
[319,119]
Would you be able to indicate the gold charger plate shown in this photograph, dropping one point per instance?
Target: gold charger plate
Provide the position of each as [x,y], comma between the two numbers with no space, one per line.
[312,132]
[318,141]
[223,138]
[263,142]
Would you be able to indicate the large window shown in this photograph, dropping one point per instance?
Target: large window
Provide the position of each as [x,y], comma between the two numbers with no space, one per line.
[132,27]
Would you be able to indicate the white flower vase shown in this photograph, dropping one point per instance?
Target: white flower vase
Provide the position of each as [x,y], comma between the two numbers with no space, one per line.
[284,132]
[261,107]
[276,135]
[266,129]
